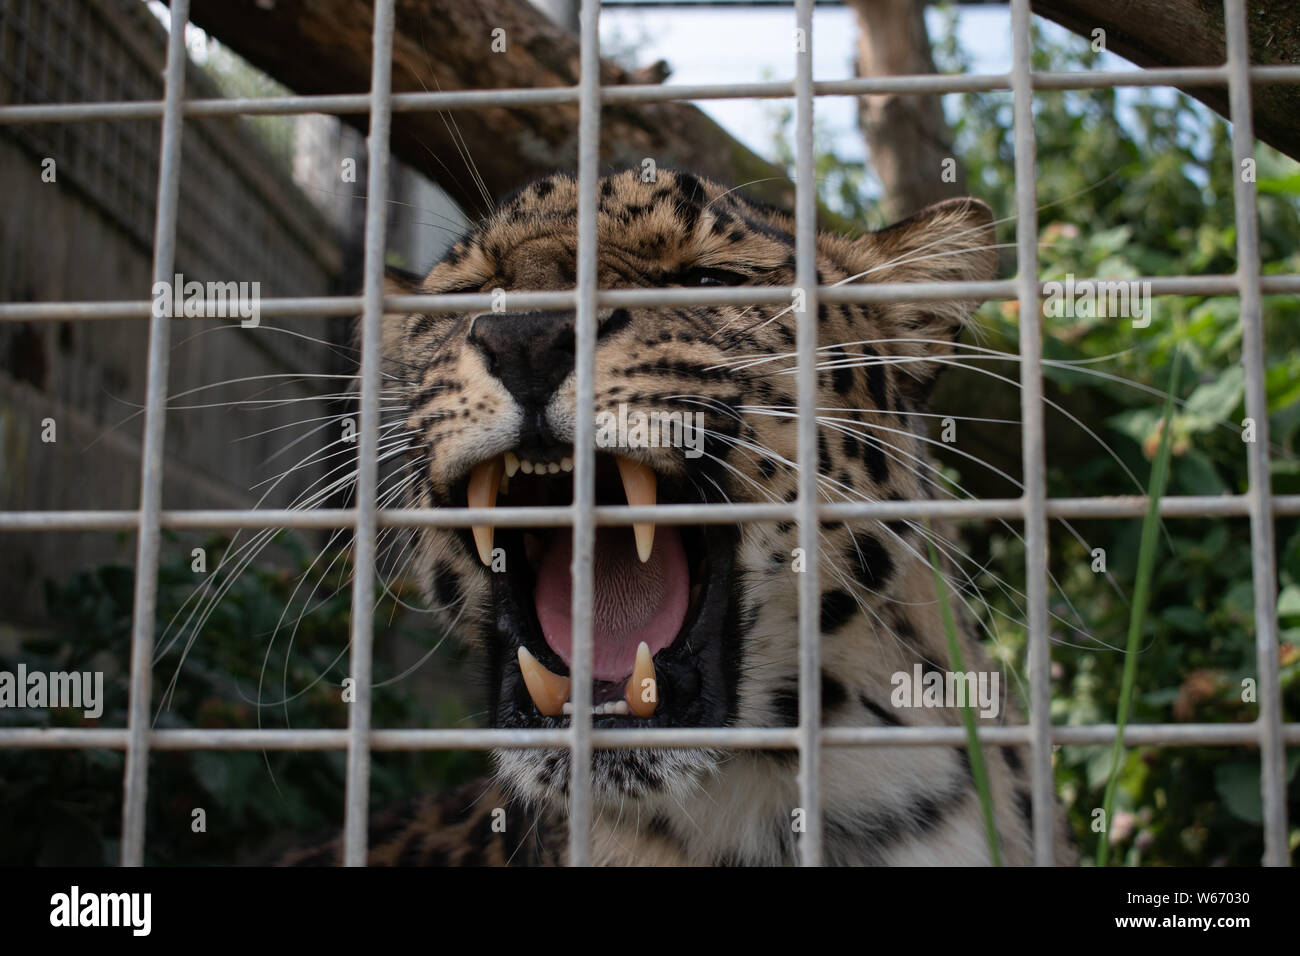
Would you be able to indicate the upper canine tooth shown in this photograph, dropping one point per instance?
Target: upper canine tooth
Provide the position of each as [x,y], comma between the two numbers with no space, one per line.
[512,464]
[549,691]
[642,690]
[484,483]
[639,487]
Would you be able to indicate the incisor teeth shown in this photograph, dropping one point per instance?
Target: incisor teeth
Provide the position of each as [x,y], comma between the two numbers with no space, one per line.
[484,483]
[642,690]
[514,464]
[600,710]
[549,691]
[639,487]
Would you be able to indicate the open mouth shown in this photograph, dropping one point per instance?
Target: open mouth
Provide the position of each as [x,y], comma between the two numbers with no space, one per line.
[660,602]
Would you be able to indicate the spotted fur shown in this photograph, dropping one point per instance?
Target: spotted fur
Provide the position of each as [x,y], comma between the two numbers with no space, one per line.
[878,611]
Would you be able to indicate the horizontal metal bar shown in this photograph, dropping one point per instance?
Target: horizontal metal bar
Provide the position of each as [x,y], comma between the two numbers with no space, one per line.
[143,309]
[324,518]
[1005,289]
[352,103]
[1117,506]
[1169,735]
[949,83]
[639,298]
[744,738]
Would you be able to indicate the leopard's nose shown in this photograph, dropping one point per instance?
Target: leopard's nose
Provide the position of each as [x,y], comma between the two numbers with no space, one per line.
[531,353]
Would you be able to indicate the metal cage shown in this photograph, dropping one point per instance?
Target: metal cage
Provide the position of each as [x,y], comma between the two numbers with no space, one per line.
[1033,508]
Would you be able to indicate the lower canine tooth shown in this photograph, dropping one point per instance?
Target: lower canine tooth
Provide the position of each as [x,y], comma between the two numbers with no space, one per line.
[639,487]
[484,483]
[550,692]
[642,690]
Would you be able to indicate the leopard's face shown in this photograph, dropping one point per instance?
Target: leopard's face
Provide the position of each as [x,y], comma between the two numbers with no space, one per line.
[693,625]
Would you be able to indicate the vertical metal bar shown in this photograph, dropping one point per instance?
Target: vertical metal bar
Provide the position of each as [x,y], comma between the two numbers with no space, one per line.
[584,439]
[1032,457]
[136,781]
[1272,753]
[356,813]
[810,843]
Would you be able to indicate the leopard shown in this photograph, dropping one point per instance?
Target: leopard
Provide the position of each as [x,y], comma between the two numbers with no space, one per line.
[696,626]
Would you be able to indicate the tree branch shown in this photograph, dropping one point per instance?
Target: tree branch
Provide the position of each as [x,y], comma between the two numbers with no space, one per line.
[323,46]
[1191,33]
[907,136]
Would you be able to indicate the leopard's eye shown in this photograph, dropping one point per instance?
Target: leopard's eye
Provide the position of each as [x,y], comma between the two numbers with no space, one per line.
[701,278]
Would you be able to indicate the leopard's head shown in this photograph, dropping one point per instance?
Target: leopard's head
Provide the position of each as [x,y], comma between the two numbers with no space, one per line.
[489,398]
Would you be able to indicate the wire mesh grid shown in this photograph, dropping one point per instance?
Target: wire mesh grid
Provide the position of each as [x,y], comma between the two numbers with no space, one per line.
[1034,508]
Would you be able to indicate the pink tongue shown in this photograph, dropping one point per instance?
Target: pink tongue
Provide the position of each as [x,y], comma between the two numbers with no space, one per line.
[634,602]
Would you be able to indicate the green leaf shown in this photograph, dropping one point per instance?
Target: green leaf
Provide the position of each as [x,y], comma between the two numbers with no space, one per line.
[1186,619]
[1238,787]
[1102,242]
[1280,186]
[1215,401]
[1288,602]
[1136,423]
[1195,474]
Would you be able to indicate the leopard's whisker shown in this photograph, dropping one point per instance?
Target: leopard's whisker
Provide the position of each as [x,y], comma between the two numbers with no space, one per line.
[323,454]
[338,349]
[964,251]
[893,453]
[453,128]
[140,409]
[338,416]
[456,227]
[947,237]
[243,555]
[847,581]
[385,499]
[1015,384]
[306,610]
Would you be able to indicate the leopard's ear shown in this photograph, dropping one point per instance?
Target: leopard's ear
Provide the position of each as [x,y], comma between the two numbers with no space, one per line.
[951,241]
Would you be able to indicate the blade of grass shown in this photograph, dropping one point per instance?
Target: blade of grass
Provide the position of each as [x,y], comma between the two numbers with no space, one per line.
[977,768]
[1141,597]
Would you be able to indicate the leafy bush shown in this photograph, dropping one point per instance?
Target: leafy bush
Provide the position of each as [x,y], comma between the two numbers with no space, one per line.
[64,807]
[1136,184]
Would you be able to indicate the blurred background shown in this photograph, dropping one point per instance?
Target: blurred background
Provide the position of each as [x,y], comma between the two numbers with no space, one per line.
[1131,182]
